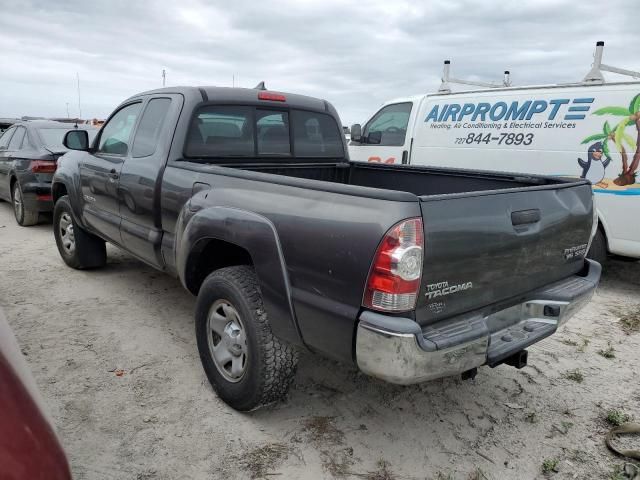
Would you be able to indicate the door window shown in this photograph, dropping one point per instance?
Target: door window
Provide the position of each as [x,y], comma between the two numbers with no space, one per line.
[148,132]
[114,139]
[16,140]
[4,139]
[391,122]
[273,132]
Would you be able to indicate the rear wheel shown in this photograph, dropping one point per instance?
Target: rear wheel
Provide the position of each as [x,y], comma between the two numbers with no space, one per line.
[598,250]
[246,364]
[24,216]
[78,248]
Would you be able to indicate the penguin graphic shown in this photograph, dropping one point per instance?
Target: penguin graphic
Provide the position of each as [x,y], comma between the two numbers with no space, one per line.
[594,167]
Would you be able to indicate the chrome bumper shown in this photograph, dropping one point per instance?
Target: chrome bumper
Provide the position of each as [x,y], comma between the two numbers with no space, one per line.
[398,350]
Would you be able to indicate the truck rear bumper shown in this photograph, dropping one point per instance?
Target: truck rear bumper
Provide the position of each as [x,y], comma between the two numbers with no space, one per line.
[398,350]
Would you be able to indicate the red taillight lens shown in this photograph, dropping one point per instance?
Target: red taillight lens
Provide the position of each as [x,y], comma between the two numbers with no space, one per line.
[274,97]
[394,279]
[43,166]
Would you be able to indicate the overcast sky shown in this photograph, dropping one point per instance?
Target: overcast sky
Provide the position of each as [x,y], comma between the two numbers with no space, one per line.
[355,55]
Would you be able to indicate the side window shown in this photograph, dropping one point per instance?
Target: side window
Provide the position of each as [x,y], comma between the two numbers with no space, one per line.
[148,132]
[273,132]
[221,131]
[114,138]
[16,140]
[391,122]
[6,136]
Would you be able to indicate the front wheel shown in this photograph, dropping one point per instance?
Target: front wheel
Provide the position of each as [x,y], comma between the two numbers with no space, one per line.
[246,364]
[24,216]
[78,248]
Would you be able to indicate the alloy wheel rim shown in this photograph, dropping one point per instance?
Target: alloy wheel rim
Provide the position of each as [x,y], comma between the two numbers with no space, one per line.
[227,340]
[66,233]
[17,202]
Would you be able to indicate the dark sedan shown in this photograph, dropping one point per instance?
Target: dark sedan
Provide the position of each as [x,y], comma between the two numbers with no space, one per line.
[29,151]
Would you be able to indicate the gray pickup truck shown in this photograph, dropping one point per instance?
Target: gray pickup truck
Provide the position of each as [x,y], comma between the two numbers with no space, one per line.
[249,198]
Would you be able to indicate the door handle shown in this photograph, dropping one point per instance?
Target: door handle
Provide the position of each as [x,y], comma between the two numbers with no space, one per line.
[524,217]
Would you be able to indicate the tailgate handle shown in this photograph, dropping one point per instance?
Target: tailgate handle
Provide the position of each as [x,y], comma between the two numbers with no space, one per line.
[524,217]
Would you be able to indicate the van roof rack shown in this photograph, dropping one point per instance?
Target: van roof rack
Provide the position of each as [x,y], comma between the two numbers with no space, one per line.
[595,74]
[447,79]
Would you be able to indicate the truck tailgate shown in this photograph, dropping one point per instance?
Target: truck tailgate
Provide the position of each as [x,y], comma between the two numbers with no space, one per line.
[487,247]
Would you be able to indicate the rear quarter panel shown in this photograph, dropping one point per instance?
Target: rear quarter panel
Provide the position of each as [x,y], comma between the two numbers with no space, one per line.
[327,239]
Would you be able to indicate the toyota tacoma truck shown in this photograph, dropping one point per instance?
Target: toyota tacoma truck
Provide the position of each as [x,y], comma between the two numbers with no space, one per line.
[249,198]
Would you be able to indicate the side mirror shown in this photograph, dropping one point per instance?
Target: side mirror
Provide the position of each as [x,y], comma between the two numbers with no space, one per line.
[76,140]
[356,132]
[374,138]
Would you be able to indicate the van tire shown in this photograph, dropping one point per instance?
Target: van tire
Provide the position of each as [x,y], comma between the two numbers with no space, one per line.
[269,363]
[598,250]
[88,250]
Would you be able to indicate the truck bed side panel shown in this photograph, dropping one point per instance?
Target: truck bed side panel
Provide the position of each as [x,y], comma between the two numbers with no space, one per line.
[328,240]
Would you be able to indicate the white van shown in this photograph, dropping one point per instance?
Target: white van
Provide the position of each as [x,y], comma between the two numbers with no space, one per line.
[589,129]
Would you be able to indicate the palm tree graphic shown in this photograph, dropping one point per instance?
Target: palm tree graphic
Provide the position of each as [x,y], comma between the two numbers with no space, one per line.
[618,135]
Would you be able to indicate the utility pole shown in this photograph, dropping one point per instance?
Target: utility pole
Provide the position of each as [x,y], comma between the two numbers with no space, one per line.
[164,77]
[79,107]
[68,110]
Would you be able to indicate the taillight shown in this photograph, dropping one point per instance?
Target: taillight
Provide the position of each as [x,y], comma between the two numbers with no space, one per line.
[43,166]
[274,97]
[394,279]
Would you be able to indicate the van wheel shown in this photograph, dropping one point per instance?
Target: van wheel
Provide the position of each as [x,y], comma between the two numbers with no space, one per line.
[78,248]
[24,216]
[598,250]
[245,363]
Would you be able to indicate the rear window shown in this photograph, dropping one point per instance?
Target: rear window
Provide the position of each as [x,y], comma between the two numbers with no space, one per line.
[243,131]
[273,133]
[52,137]
[316,135]
[221,132]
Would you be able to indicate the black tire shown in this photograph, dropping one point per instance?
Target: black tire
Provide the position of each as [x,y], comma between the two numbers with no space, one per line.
[598,250]
[270,364]
[89,251]
[24,216]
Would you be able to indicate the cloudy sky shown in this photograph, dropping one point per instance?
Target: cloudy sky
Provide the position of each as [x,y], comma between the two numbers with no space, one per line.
[356,55]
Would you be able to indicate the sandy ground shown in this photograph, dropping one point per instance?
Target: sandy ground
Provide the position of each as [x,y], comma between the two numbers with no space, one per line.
[161,420]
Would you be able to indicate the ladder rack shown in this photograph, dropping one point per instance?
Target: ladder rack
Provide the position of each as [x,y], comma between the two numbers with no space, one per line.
[447,79]
[594,77]
[595,74]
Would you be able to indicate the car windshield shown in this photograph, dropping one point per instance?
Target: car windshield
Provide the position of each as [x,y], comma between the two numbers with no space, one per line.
[52,137]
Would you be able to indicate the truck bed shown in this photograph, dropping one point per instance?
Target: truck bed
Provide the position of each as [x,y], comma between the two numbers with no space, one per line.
[421,181]
[517,234]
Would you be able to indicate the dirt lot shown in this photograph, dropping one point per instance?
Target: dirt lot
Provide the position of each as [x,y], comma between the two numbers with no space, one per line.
[160,419]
